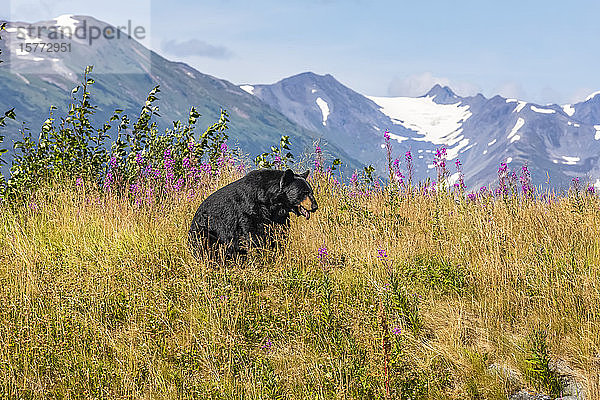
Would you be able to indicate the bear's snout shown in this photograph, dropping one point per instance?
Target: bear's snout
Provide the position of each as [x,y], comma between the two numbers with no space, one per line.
[309,204]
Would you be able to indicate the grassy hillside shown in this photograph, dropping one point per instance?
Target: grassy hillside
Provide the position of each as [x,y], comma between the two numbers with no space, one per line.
[378,295]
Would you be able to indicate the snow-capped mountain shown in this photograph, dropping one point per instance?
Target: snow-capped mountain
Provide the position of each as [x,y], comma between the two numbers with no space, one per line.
[557,142]
[124,72]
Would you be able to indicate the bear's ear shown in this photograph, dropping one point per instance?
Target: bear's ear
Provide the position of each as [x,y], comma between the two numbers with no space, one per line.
[305,175]
[287,178]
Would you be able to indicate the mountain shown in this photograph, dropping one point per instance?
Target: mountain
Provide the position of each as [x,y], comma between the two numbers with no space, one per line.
[558,143]
[124,72]
[343,116]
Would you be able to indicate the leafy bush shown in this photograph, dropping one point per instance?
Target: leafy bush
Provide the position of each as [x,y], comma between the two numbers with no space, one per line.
[276,157]
[72,148]
[436,273]
[538,370]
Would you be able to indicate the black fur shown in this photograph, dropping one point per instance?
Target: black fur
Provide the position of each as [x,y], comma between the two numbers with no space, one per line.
[239,215]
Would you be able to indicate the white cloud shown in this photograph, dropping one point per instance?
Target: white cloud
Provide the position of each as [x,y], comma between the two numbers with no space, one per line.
[419,84]
[511,90]
[195,47]
[581,94]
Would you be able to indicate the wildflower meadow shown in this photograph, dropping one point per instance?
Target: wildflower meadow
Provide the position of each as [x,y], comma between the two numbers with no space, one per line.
[393,289]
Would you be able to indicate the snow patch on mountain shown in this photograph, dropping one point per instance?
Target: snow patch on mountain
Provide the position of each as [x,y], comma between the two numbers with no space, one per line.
[438,123]
[570,160]
[399,138]
[313,91]
[453,152]
[66,21]
[542,110]
[515,129]
[520,106]
[597,135]
[591,96]
[324,109]
[24,79]
[569,109]
[492,142]
[248,88]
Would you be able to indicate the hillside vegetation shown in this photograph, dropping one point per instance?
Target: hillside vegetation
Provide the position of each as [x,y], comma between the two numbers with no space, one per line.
[100,298]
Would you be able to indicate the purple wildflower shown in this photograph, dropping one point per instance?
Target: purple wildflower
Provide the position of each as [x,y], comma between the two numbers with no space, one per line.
[268,344]
[206,168]
[460,185]
[502,180]
[354,179]
[318,158]
[399,178]
[168,162]
[526,182]
[388,153]
[439,161]
[381,253]
[179,184]
[322,253]
[576,186]
[187,164]
[108,180]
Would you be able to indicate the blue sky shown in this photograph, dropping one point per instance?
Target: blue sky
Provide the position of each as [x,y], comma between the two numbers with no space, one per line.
[542,51]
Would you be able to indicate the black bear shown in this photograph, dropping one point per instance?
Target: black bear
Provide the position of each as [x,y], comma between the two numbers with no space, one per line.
[239,215]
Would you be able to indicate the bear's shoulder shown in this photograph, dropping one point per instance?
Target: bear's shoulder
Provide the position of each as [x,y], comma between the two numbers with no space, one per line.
[264,177]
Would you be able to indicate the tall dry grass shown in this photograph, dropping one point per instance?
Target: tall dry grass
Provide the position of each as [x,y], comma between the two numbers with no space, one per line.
[100,298]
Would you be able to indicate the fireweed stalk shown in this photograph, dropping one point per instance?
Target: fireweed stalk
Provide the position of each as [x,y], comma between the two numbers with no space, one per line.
[460,185]
[388,154]
[409,168]
[439,162]
[318,158]
[525,179]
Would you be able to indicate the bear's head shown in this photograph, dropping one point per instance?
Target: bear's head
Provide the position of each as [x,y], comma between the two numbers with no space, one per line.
[297,193]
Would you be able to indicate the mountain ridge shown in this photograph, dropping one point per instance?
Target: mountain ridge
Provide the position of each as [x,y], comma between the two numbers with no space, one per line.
[38,84]
[553,140]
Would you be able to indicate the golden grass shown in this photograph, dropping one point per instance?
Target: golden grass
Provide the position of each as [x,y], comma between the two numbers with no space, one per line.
[100,298]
